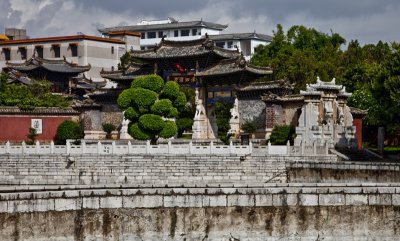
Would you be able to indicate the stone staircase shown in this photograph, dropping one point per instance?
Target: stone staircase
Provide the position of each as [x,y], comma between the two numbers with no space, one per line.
[362,155]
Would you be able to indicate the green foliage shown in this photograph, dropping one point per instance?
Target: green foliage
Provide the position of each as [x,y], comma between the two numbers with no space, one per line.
[69,130]
[149,82]
[249,127]
[150,105]
[125,98]
[27,97]
[281,134]
[223,115]
[171,90]
[32,134]
[108,128]
[124,61]
[152,123]
[144,97]
[169,129]
[132,114]
[184,124]
[162,107]
[138,133]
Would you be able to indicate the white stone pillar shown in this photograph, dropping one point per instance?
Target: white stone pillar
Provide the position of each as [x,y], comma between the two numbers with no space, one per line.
[8,147]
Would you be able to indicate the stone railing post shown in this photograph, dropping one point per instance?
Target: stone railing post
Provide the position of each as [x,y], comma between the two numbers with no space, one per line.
[211,147]
[129,147]
[52,147]
[250,147]
[315,147]
[8,147]
[169,147]
[326,147]
[37,147]
[230,147]
[268,147]
[302,146]
[113,147]
[68,147]
[148,147]
[83,146]
[288,148]
[23,147]
[99,147]
[190,147]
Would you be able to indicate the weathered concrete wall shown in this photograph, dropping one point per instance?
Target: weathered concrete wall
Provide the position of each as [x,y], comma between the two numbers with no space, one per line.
[270,213]
[342,172]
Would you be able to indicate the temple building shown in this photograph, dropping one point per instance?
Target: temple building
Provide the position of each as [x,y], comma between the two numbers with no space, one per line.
[216,73]
[64,76]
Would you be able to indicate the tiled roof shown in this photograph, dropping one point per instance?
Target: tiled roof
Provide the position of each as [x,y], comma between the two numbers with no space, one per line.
[61,66]
[37,111]
[358,112]
[82,82]
[277,84]
[240,36]
[61,38]
[133,71]
[285,98]
[177,49]
[231,66]
[173,25]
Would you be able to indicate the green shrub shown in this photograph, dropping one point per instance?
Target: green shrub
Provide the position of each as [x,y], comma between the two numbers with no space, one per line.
[173,112]
[32,134]
[223,115]
[169,130]
[138,133]
[69,130]
[125,98]
[132,114]
[171,90]
[249,127]
[143,97]
[184,124]
[162,107]
[180,101]
[151,123]
[108,128]
[281,134]
[150,82]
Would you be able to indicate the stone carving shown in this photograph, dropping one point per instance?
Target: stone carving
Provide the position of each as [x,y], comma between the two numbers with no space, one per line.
[123,134]
[325,117]
[201,127]
[234,121]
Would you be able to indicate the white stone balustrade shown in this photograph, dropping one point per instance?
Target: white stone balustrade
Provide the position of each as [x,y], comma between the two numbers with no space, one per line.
[113,148]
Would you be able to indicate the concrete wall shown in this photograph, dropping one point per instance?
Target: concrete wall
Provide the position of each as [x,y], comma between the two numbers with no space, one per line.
[269,213]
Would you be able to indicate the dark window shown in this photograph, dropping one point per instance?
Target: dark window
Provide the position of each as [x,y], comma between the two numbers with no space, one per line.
[194,32]
[56,51]
[176,33]
[230,44]
[151,35]
[112,49]
[39,51]
[160,34]
[22,51]
[7,54]
[112,68]
[220,44]
[74,50]
[185,32]
[142,35]
[142,48]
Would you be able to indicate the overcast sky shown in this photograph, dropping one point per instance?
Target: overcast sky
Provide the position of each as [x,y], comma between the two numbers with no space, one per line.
[366,20]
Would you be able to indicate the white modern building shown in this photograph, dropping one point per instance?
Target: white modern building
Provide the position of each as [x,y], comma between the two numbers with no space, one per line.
[152,33]
[82,50]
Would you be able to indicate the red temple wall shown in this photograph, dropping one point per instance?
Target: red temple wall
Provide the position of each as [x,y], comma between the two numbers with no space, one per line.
[15,128]
[357,122]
